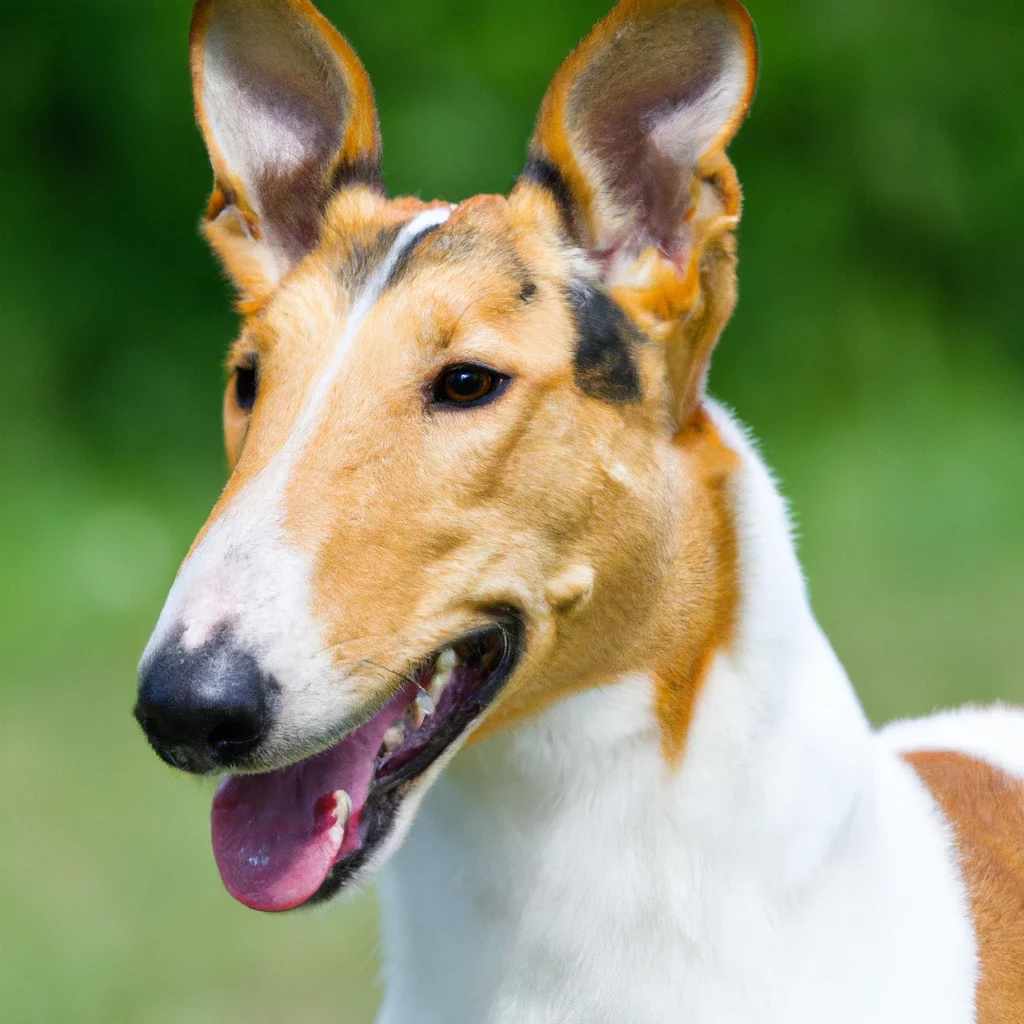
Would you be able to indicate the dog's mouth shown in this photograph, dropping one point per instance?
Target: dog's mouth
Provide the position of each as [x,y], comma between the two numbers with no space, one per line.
[298,834]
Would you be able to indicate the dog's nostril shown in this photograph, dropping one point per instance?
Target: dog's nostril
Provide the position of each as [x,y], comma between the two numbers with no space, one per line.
[236,736]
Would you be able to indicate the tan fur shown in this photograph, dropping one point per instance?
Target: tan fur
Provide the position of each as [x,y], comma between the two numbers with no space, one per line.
[423,522]
[380,568]
[687,307]
[605,522]
[985,807]
[711,608]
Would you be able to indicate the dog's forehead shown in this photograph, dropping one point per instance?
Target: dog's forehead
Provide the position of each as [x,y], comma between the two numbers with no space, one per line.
[469,253]
[475,237]
[390,289]
[402,279]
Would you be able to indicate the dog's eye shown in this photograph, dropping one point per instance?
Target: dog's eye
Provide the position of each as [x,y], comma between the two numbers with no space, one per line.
[246,381]
[468,384]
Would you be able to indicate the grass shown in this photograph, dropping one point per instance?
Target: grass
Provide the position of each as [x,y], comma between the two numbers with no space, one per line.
[110,905]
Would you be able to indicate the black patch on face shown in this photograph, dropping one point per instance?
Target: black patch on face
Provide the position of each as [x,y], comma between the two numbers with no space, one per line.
[606,366]
[544,173]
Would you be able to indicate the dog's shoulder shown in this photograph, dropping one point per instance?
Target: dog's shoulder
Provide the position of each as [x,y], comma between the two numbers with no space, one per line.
[972,763]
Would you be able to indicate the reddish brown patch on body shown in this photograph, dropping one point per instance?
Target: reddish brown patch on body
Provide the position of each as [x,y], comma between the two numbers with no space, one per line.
[985,807]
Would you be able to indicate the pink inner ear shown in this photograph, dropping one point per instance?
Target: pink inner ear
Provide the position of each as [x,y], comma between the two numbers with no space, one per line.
[277,118]
[665,90]
[275,102]
[686,132]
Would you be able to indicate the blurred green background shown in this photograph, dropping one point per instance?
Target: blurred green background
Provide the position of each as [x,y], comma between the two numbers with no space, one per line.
[877,352]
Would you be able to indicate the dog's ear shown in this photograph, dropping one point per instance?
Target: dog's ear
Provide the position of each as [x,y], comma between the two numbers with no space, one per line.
[288,116]
[629,149]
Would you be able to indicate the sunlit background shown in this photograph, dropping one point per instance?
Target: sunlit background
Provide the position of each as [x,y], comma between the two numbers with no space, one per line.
[877,352]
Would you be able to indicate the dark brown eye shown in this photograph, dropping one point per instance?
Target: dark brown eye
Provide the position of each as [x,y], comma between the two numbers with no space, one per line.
[245,386]
[467,384]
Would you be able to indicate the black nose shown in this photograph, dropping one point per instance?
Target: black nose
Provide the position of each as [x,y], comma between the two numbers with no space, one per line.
[205,708]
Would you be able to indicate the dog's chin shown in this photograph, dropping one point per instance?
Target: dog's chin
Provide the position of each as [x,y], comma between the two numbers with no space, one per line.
[312,830]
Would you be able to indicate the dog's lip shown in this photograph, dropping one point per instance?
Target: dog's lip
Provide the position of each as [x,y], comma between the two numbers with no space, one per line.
[277,836]
[510,622]
[384,802]
[290,754]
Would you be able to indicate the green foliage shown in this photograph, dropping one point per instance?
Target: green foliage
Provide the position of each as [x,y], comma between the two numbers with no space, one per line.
[877,350]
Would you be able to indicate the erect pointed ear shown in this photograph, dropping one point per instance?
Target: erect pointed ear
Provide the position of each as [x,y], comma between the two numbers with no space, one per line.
[288,116]
[630,149]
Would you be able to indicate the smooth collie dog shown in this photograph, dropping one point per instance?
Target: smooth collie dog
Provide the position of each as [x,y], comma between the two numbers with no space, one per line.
[496,596]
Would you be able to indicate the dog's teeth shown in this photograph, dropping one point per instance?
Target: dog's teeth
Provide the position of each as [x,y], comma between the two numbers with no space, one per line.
[446,660]
[342,805]
[425,705]
[342,812]
[394,738]
[438,685]
[421,708]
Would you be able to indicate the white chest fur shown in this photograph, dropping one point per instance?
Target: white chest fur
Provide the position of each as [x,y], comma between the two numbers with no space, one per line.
[604,891]
[792,870]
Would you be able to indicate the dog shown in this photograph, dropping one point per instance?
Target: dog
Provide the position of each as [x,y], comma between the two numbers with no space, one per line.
[498,597]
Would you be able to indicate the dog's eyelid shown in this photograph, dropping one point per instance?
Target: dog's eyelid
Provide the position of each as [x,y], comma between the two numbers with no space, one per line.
[245,378]
[448,390]
[242,358]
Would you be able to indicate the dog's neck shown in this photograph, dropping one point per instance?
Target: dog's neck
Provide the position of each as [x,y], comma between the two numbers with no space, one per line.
[553,868]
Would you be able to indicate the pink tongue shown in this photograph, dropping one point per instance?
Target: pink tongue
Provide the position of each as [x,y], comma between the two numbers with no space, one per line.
[274,835]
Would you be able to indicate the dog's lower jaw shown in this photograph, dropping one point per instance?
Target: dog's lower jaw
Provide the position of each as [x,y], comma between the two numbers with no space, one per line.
[790,868]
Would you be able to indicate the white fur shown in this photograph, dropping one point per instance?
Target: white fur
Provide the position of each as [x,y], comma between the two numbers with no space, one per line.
[794,870]
[247,576]
[689,130]
[993,734]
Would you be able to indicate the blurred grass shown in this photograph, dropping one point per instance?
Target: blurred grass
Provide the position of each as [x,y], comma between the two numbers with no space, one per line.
[877,352]
[110,904]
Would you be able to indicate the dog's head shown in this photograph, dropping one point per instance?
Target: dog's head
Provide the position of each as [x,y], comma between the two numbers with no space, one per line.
[470,468]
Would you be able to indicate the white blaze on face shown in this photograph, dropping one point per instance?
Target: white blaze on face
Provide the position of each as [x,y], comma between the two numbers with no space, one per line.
[246,575]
